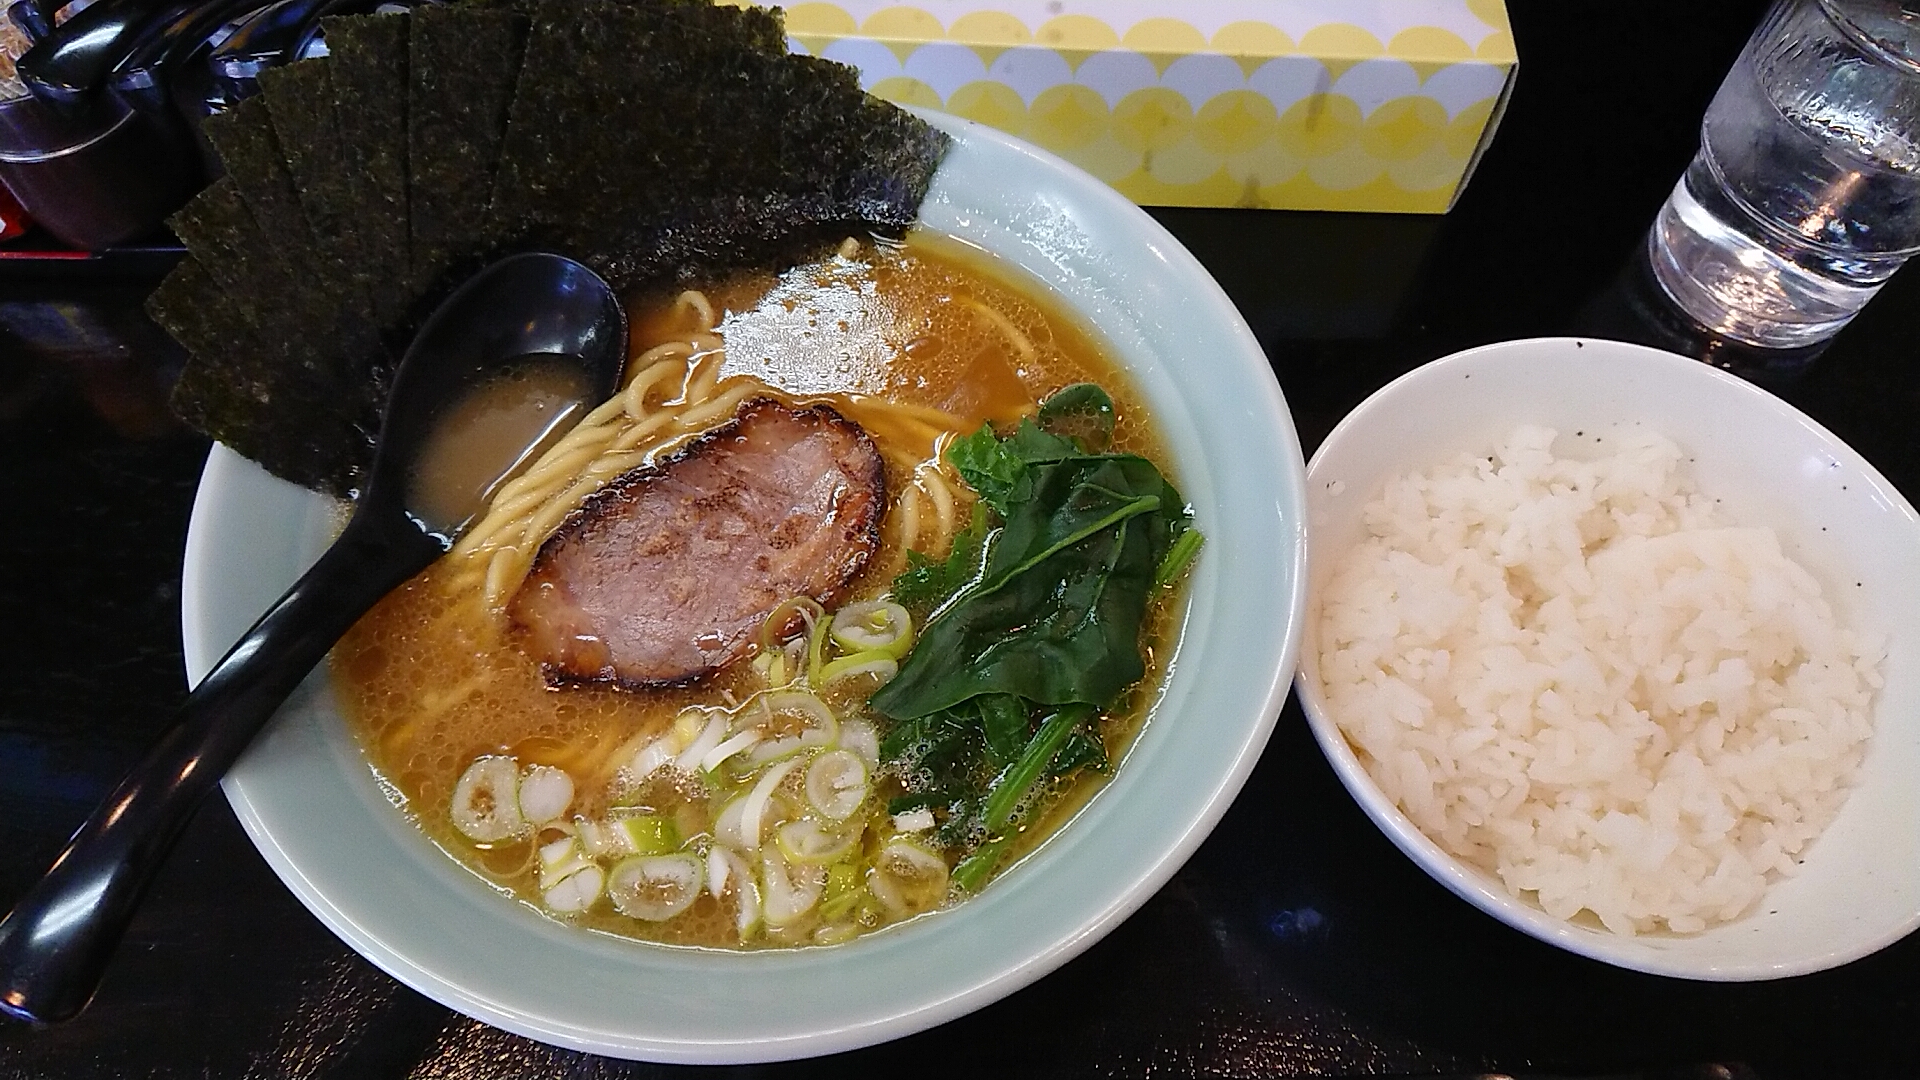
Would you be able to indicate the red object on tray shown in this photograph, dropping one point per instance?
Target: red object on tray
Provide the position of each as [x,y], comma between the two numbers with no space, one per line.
[13,220]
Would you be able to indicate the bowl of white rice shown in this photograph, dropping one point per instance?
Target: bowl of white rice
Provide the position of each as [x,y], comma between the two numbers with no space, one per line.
[1624,651]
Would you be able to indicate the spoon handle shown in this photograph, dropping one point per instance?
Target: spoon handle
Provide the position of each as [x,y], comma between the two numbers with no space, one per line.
[61,935]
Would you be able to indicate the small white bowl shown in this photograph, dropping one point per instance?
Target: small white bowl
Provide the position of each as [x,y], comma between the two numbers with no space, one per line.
[320,819]
[1859,889]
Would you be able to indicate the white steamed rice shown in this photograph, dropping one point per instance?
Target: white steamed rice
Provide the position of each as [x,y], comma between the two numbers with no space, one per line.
[1574,675]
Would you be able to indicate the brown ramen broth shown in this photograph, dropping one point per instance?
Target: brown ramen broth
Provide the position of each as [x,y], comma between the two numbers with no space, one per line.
[918,344]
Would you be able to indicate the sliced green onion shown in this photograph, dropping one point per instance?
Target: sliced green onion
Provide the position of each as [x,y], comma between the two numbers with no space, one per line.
[718,755]
[842,878]
[859,737]
[545,793]
[719,872]
[575,892]
[655,887]
[726,825]
[874,663]
[650,757]
[832,911]
[729,874]
[873,626]
[919,819]
[687,726]
[815,721]
[837,784]
[650,834]
[808,841]
[908,878]
[558,852]
[569,881]
[596,838]
[753,808]
[486,800]
[688,723]
[843,893]
[772,666]
[816,649]
[711,734]
[805,606]
[563,866]
[791,889]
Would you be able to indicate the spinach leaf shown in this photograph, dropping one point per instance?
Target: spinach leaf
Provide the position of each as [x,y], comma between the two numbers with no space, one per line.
[1011,791]
[1032,622]
[1082,412]
[994,473]
[998,470]
[1032,444]
[944,745]
[972,872]
[1186,544]
[1055,615]
[1005,721]
[1083,750]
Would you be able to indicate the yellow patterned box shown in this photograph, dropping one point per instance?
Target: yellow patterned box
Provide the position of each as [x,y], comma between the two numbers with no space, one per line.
[1290,104]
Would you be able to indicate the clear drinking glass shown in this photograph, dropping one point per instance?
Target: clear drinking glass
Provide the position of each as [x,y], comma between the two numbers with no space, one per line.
[1805,195]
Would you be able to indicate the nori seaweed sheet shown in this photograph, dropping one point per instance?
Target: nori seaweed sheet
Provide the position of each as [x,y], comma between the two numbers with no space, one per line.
[296,321]
[299,101]
[247,265]
[192,307]
[236,387]
[256,168]
[219,229]
[604,132]
[783,148]
[250,156]
[840,162]
[464,63]
[368,54]
[656,140]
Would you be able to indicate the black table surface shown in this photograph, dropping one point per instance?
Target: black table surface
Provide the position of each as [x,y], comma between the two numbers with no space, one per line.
[1297,941]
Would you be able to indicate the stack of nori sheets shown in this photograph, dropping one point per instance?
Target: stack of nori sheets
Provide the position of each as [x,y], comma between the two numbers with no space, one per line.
[654,140]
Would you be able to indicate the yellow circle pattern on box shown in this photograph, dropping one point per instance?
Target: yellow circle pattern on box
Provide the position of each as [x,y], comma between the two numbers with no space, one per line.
[1227,110]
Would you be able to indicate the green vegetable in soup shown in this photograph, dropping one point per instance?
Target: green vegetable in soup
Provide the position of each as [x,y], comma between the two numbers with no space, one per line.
[1035,624]
[1082,412]
[1054,614]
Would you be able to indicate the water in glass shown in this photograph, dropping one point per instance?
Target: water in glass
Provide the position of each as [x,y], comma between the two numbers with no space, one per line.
[1805,194]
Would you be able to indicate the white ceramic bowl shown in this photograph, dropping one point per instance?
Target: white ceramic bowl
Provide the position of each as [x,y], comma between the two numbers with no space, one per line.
[309,802]
[1859,889]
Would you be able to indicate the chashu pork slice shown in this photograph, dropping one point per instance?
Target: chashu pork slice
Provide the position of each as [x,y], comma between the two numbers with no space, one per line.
[666,574]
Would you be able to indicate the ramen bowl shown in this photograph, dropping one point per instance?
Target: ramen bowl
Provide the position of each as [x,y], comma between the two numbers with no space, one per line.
[322,820]
[1857,888]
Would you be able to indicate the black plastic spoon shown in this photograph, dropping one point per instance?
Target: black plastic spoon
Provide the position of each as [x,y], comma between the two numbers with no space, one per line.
[537,321]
